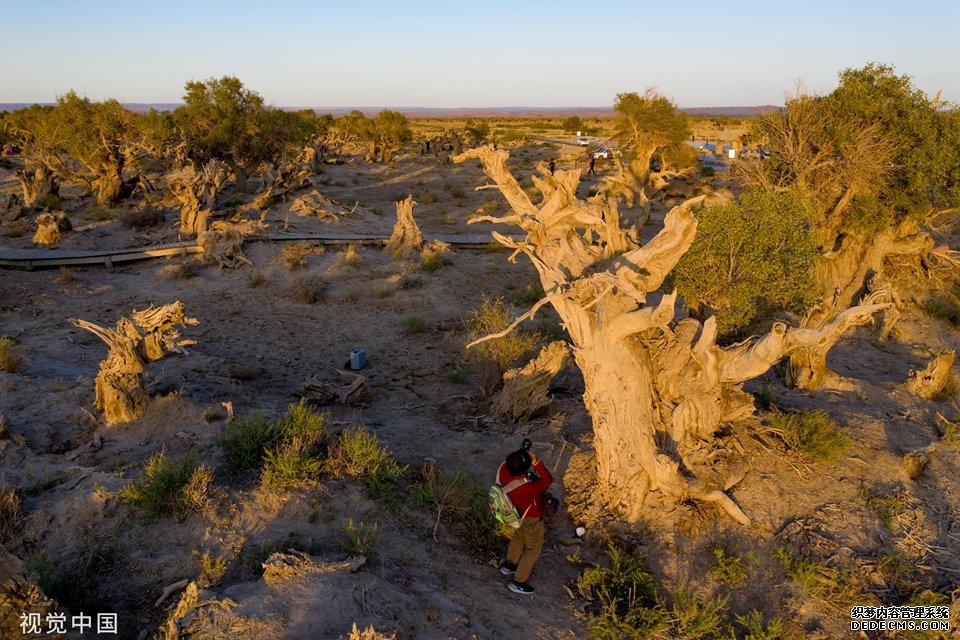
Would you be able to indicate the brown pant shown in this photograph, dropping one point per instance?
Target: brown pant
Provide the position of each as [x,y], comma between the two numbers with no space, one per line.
[525,547]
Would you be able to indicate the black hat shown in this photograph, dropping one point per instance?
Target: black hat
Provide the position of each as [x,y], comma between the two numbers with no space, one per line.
[518,462]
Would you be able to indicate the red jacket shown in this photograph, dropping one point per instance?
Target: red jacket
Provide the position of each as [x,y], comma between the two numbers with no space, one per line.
[528,497]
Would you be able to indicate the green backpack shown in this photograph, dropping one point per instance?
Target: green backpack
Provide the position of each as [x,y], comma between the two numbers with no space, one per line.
[500,503]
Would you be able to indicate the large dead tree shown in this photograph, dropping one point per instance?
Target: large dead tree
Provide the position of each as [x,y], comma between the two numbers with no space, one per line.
[145,336]
[37,182]
[657,390]
[406,238]
[197,191]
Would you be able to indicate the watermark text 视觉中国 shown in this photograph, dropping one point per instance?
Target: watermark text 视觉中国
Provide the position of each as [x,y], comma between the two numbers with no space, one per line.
[34,623]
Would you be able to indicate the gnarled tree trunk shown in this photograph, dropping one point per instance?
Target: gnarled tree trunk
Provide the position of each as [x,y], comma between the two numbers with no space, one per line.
[844,275]
[144,336]
[197,193]
[524,392]
[406,238]
[51,227]
[657,391]
[37,182]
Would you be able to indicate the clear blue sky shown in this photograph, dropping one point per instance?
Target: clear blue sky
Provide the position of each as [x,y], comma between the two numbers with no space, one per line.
[478,54]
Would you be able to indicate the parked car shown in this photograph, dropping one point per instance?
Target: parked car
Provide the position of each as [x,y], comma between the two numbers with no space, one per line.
[602,152]
[583,141]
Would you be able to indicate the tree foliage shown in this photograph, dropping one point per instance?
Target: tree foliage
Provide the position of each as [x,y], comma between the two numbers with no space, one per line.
[221,119]
[748,257]
[81,141]
[572,124]
[649,123]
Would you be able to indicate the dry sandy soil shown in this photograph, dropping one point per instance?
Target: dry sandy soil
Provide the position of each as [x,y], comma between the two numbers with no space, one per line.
[256,345]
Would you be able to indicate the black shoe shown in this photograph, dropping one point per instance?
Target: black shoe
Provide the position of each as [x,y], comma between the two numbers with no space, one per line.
[520,587]
[507,568]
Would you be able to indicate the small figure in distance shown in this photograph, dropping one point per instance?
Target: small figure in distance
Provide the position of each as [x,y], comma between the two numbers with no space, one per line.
[553,166]
[593,167]
[531,500]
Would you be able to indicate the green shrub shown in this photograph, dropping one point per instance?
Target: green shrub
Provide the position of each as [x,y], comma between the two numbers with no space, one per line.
[728,568]
[947,309]
[694,619]
[360,539]
[531,295]
[11,358]
[255,279]
[755,629]
[357,453]
[626,596]
[492,317]
[837,586]
[247,438]
[289,466]
[413,324]
[458,375]
[434,261]
[170,487]
[812,434]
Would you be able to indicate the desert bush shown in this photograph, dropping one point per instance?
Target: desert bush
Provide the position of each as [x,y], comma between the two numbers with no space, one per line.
[211,568]
[184,270]
[295,255]
[433,261]
[411,282]
[946,308]
[754,627]
[414,324]
[529,296]
[357,453]
[11,357]
[350,257]
[444,493]
[812,434]
[837,586]
[627,604]
[49,201]
[308,289]
[369,634]
[626,598]
[886,502]
[427,197]
[10,513]
[458,375]
[360,539]
[289,466]
[246,439]
[3,425]
[170,487]
[728,567]
[146,218]
[454,191]
[492,317]
[66,276]
[98,215]
[255,279]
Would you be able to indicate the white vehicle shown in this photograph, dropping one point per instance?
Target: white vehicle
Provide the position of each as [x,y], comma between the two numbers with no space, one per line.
[583,141]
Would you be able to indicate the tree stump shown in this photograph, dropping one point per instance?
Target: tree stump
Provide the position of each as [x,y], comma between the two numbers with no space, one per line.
[524,392]
[51,227]
[19,593]
[146,335]
[406,238]
[10,207]
[197,191]
[934,378]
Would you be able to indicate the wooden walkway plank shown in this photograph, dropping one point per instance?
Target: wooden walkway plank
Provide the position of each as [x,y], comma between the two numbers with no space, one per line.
[44,258]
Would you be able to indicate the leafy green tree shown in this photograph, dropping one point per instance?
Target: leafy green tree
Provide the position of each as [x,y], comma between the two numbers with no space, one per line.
[748,257]
[479,131]
[78,140]
[647,124]
[388,132]
[222,119]
[872,161]
[572,124]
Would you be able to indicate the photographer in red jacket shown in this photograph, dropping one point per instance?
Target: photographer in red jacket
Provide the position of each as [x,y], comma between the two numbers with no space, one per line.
[530,501]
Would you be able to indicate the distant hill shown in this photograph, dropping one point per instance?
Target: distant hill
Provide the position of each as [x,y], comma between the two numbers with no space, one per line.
[466,112]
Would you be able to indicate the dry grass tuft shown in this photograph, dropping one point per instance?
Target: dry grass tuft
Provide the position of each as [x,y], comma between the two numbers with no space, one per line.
[11,358]
[309,289]
[10,513]
[295,255]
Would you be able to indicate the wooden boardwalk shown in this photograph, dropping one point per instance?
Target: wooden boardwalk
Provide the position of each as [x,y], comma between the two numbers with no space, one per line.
[46,258]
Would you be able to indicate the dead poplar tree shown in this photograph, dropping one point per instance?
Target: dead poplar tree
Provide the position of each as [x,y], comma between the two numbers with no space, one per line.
[656,389]
[406,238]
[145,336]
[196,191]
